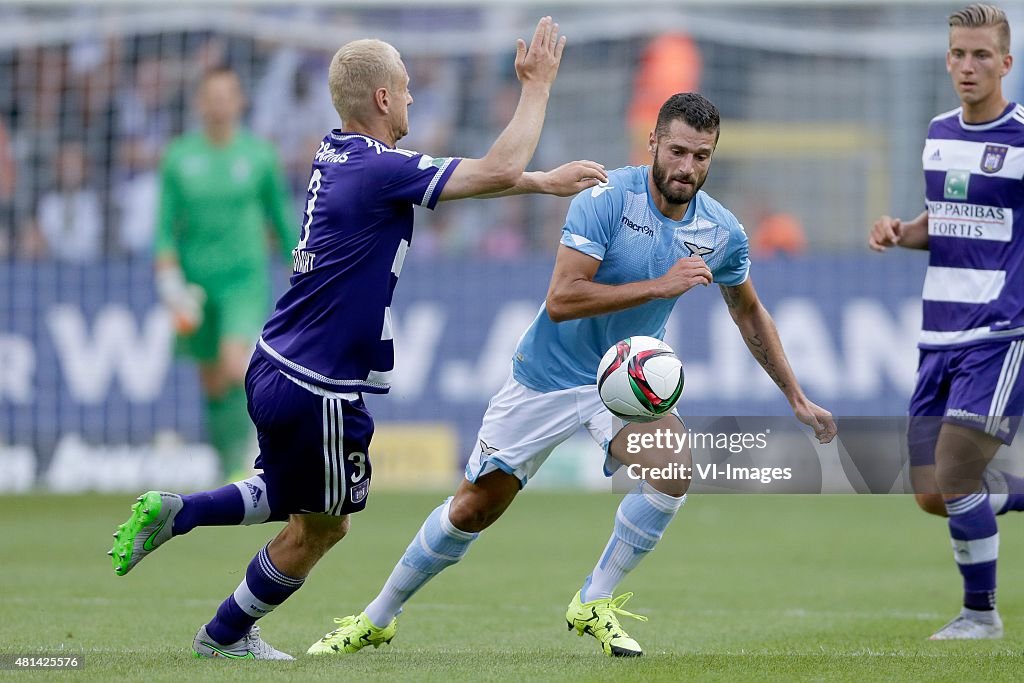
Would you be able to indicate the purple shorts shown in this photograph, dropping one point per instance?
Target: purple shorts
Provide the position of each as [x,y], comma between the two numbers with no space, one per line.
[314,450]
[979,387]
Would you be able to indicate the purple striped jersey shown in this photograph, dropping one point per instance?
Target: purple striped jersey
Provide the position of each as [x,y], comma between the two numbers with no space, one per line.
[974,288]
[332,327]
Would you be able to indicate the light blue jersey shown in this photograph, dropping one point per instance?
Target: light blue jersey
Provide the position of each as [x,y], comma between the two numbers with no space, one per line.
[619,225]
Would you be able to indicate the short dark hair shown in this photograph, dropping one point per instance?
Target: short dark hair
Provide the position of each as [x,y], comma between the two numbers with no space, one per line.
[693,109]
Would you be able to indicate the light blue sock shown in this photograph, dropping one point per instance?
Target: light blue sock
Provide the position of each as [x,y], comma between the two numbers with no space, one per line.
[437,545]
[640,521]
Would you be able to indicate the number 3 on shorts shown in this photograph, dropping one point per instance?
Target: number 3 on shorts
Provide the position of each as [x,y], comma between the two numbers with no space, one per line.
[358,461]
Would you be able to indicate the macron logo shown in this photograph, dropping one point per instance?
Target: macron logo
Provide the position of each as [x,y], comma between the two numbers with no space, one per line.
[599,188]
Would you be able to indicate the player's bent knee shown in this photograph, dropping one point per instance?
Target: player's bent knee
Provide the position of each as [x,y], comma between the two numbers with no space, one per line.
[667,473]
[469,515]
[332,533]
[959,479]
[473,513]
[675,486]
[931,503]
[316,534]
[477,505]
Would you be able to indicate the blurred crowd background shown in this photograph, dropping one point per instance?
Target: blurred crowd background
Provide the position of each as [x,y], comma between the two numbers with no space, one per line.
[824,108]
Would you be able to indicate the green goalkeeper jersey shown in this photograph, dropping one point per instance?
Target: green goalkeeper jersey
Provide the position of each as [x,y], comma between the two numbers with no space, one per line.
[215,204]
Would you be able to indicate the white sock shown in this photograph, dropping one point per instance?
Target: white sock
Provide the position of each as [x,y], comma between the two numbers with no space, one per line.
[640,522]
[437,545]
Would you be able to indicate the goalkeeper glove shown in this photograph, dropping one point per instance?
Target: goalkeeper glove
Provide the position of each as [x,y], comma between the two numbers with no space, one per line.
[184,300]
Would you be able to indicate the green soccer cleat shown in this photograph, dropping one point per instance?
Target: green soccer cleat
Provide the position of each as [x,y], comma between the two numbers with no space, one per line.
[146,530]
[352,635]
[599,619]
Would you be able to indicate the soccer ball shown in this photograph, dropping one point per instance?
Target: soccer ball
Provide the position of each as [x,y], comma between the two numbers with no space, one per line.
[640,379]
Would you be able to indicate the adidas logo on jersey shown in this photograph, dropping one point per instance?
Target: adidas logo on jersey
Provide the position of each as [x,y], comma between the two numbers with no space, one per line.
[935,156]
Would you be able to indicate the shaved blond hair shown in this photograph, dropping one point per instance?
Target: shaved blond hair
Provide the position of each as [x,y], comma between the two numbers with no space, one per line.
[984,16]
[357,70]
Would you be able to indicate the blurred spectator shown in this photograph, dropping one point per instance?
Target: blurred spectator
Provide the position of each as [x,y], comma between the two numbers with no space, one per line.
[38,77]
[434,84]
[69,219]
[38,81]
[777,233]
[671,63]
[210,55]
[293,109]
[511,226]
[145,124]
[89,113]
[8,171]
[504,237]
[538,219]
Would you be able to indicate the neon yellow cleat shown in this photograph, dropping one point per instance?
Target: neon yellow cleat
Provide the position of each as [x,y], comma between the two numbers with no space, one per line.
[599,619]
[352,635]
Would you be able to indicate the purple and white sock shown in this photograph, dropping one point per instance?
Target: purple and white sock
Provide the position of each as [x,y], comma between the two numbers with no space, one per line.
[975,536]
[263,588]
[243,502]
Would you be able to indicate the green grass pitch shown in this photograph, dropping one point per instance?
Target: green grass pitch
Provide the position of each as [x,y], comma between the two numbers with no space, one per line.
[741,588]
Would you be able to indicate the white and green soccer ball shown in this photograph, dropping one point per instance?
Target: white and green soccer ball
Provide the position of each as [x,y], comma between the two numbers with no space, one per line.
[640,379]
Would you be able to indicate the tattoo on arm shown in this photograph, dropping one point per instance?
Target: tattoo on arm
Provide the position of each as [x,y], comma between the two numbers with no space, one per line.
[741,312]
[731,296]
[760,353]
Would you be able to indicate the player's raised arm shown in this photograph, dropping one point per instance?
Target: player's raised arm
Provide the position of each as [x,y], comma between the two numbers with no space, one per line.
[762,339]
[502,166]
[892,232]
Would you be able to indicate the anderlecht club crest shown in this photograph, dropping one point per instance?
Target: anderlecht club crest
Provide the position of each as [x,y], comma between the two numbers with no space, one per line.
[993,157]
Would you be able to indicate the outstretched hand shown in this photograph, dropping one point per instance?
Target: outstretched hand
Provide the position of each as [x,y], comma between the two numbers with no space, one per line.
[573,177]
[819,419]
[539,62]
